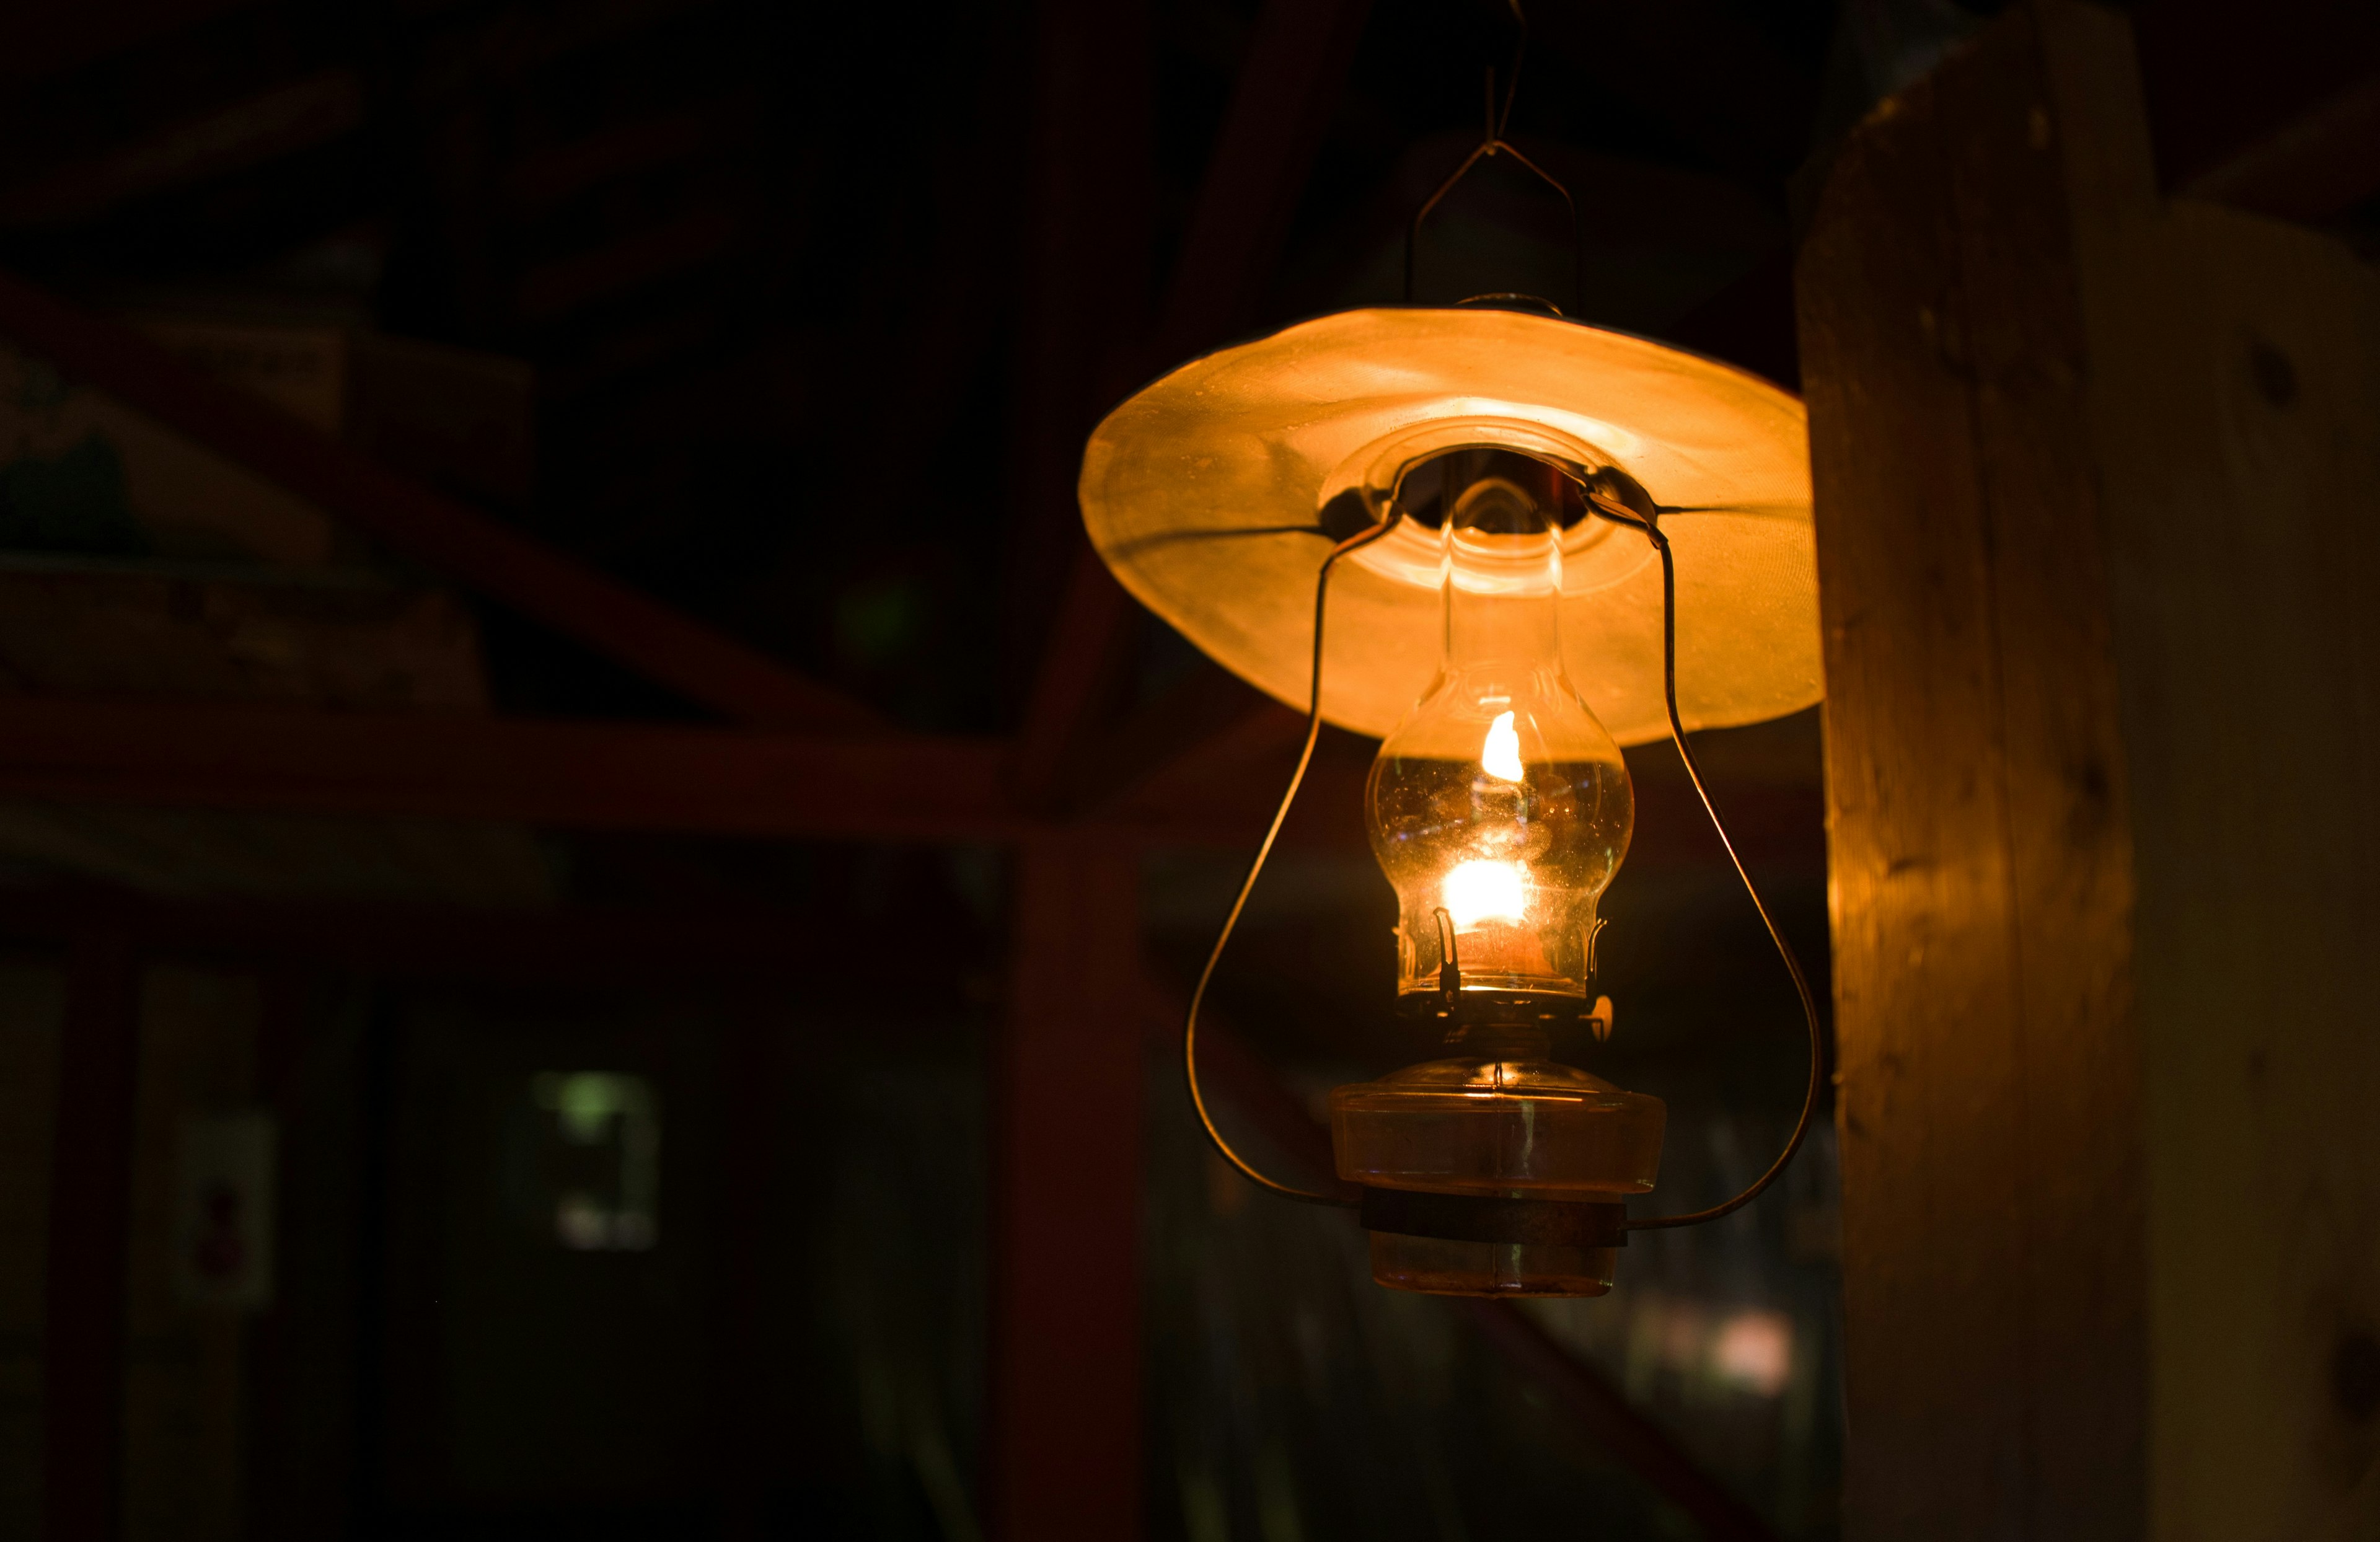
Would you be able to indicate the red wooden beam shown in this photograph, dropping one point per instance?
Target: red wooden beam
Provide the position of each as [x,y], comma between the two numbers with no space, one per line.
[91,1223]
[738,782]
[1087,276]
[580,774]
[1296,65]
[1643,1447]
[640,632]
[1062,1433]
[1225,792]
[591,944]
[1249,1088]
[1289,87]
[1211,720]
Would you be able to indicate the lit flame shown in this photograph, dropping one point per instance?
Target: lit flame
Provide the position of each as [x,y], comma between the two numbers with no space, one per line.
[1479,892]
[1500,757]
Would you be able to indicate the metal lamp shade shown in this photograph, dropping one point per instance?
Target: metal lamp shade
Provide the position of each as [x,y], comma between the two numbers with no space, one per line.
[1214,494]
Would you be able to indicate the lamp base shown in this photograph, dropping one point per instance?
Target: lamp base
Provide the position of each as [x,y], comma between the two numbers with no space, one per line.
[1488,1176]
[1435,1266]
[1482,1244]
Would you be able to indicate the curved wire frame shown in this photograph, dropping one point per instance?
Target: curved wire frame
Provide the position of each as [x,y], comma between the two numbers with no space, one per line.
[1648,524]
[1256,868]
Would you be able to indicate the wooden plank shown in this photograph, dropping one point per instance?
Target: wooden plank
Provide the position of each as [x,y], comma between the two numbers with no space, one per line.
[579,774]
[2235,385]
[1220,791]
[647,636]
[576,943]
[2062,786]
[1086,272]
[1979,860]
[2093,473]
[90,1197]
[1063,1432]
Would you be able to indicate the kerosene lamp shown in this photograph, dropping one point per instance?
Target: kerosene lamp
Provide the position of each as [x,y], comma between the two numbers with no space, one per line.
[1505,543]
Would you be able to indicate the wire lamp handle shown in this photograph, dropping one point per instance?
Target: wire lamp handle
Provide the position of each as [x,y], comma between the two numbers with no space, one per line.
[1305,757]
[1649,525]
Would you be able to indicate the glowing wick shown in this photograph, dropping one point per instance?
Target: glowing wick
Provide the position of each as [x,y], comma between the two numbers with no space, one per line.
[1501,755]
[1479,892]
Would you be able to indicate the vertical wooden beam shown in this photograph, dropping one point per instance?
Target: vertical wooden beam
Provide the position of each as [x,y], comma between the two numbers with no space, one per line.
[1981,916]
[90,1198]
[1289,87]
[1062,1434]
[2094,551]
[1086,294]
[2236,402]
[1290,84]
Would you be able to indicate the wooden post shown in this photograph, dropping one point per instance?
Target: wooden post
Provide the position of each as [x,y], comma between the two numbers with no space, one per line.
[91,1202]
[1062,1433]
[2095,476]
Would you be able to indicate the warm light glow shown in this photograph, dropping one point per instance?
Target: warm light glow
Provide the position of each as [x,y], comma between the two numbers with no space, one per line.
[1477,891]
[1501,755]
[1755,1350]
[1499,800]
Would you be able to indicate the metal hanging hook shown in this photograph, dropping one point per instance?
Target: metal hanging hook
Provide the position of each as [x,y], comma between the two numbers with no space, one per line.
[1493,143]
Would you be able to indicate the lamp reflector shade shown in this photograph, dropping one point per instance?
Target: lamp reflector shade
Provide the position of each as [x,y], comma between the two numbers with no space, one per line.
[1214,495]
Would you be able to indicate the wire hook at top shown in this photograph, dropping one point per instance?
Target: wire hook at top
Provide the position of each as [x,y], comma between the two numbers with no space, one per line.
[1491,143]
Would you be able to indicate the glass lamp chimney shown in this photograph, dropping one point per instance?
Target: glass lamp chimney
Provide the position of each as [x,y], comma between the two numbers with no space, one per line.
[1499,808]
